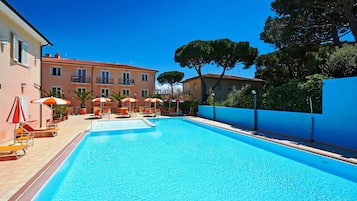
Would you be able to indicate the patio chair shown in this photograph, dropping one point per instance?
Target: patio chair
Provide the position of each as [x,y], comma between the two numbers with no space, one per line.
[28,129]
[13,150]
[24,138]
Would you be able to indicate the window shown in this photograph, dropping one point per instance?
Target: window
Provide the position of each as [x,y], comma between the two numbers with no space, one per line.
[81,74]
[56,91]
[19,50]
[126,92]
[105,77]
[144,93]
[81,90]
[105,92]
[144,77]
[56,71]
[126,78]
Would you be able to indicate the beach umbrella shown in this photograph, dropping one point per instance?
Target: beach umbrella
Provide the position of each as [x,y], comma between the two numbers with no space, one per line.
[129,100]
[101,100]
[51,101]
[16,114]
[154,100]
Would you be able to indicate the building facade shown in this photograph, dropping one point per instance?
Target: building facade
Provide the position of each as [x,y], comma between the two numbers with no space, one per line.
[20,68]
[64,76]
[192,86]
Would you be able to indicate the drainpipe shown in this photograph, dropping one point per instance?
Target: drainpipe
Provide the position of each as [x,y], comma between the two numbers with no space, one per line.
[48,44]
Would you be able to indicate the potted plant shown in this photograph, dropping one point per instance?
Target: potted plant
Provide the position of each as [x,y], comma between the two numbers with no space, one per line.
[82,96]
[118,96]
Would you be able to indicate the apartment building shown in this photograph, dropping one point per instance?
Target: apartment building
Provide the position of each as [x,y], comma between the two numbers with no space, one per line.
[20,68]
[63,76]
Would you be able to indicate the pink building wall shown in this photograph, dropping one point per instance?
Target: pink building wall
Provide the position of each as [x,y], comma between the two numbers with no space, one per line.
[18,78]
[69,69]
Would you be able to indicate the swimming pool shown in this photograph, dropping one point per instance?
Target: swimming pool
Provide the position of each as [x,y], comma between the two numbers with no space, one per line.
[184,160]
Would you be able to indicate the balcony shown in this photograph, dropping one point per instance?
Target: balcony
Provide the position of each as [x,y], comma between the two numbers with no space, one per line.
[100,80]
[79,79]
[126,82]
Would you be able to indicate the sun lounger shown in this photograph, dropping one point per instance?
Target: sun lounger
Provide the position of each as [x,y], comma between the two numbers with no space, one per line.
[149,112]
[13,150]
[123,112]
[28,129]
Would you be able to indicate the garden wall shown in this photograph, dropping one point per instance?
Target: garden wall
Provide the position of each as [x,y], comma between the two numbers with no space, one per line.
[336,125]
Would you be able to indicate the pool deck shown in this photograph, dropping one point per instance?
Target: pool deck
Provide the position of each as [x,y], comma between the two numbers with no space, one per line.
[16,175]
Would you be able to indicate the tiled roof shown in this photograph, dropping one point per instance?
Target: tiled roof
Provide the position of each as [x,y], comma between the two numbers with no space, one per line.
[226,77]
[56,60]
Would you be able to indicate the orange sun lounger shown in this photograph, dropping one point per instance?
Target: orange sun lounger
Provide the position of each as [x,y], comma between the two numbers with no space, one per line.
[28,129]
[13,150]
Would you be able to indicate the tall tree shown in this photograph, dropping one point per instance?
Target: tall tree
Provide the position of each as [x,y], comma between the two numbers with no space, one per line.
[222,52]
[227,54]
[195,54]
[307,23]
[171,77]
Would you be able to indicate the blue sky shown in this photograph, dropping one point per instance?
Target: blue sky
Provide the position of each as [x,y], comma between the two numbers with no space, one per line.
[145,33]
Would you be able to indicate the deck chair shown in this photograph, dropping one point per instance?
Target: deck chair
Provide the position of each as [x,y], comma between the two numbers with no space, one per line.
[13,150]
[24,138]
[28,129]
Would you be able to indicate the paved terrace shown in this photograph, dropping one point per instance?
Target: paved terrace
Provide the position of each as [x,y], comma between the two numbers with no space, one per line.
[15,175]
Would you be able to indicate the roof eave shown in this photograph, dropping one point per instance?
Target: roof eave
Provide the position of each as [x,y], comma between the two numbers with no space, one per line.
[21,21]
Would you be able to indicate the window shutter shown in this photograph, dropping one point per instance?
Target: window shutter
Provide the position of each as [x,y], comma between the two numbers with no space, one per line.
[24,52]
[15,46]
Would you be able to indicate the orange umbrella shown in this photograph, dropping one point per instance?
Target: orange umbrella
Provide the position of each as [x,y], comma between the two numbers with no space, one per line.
[52,101]
[154,100]
[129,100]
[101,100]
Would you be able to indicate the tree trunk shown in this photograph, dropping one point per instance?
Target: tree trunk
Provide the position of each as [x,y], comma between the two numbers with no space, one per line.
[336,39]
[347,6]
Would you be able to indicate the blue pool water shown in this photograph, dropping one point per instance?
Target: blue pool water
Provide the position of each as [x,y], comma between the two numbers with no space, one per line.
[182,160]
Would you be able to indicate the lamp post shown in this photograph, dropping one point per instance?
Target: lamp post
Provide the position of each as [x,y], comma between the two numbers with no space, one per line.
[214,108]
[255,109]
[309,101]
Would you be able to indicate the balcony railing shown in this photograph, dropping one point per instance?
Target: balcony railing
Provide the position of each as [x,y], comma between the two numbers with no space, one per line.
[80,79]
[126,82]
[101,80]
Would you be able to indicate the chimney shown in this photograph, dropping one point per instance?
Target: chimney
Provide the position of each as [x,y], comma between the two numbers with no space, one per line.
[57,55]
[47,55]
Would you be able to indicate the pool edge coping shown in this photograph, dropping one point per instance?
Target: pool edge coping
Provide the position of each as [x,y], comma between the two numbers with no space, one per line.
[30,189]
[289,143]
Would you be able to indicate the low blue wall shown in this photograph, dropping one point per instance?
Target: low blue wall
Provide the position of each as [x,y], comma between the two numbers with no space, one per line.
[336,125]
